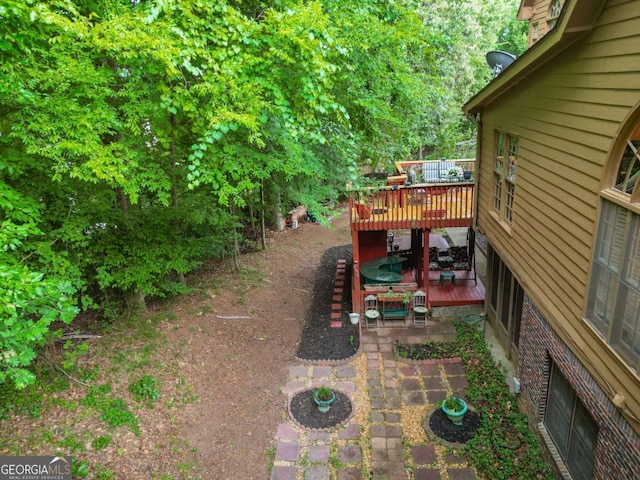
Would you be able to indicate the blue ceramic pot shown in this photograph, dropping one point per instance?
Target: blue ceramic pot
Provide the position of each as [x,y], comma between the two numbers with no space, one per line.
[323,405]
[456,415]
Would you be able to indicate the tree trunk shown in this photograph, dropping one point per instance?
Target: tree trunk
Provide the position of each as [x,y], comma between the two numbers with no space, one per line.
[236,247]
[123,203]
[174,181]
[279,222]
[137,300]
[262,226]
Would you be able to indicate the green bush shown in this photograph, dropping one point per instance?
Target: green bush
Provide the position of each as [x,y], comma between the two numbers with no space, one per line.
[101,442]
[145,389]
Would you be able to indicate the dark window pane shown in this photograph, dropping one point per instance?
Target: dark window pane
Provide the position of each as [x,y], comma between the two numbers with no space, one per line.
[557,419]
[582,446]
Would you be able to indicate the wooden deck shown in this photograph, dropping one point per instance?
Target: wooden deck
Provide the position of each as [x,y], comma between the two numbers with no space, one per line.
[465,292]
[418,206]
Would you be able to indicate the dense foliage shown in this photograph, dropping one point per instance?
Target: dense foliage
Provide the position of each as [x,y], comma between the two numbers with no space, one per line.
[141,137]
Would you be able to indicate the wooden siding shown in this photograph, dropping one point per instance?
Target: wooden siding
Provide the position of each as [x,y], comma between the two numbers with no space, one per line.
[540,10]
[567,116]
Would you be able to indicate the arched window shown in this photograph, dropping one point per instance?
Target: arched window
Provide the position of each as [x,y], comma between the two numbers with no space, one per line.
[554,12]
[613,303]
[629,170]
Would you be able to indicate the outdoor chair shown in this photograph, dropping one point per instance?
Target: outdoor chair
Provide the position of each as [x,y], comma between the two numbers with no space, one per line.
[431,172]
[420,308]
[371,312]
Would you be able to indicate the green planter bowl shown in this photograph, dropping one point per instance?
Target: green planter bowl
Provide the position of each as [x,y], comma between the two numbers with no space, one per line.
[323,405]
[457,414]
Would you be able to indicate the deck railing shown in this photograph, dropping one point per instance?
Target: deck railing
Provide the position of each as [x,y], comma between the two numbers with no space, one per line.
[416,206]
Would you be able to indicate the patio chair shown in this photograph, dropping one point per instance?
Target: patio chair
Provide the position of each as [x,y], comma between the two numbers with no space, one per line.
[420,308]
[371,312]
[431,172]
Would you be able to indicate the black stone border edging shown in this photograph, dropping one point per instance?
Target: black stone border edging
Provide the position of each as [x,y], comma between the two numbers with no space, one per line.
[431,434]
[326,429]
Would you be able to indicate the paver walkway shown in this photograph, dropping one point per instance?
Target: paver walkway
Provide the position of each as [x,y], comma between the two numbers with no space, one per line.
[385,438]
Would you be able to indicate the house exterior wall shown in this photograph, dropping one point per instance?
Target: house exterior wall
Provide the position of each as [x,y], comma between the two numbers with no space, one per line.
[566,115]
[618,446]
[536,12]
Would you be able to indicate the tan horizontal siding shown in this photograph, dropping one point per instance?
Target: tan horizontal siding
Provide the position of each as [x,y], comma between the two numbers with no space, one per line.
[566,164]
[610,64]
[604,80]
[621,28]
[621,46]
[565,138]
[560,194]
[596,131]
[537,217]
[577,229]
[586,96]
[576,105]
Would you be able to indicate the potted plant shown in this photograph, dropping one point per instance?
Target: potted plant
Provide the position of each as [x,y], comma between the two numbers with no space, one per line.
[323,397]
[405,296]
[454,408]
[455,174]
[362,208]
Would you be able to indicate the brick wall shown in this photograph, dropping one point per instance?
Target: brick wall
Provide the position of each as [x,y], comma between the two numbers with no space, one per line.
[618,447]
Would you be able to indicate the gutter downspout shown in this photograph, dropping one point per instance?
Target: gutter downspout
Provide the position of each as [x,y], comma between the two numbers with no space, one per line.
[477,119]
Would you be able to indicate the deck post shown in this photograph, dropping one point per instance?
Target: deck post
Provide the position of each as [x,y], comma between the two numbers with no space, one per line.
[425,263]
[356,297]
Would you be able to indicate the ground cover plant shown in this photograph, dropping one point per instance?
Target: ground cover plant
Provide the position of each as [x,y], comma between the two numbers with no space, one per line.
[427,350]
[503,446]
[515,452]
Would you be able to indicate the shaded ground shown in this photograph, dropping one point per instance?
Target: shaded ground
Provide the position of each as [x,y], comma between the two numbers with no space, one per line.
[239,366]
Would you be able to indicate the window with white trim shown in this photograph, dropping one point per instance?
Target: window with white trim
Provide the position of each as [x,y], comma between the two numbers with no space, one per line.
[504,175]
[510,177]
[613,300]
[498,171]
[571,428]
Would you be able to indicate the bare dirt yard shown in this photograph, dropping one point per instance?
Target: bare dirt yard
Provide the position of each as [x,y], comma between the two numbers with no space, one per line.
[217,356]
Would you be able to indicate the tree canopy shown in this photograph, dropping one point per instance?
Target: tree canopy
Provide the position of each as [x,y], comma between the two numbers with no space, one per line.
[140,137]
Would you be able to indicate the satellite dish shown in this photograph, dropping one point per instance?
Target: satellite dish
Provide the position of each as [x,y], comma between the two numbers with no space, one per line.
[498,61]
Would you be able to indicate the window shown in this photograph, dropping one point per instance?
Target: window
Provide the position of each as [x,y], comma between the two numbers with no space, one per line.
[613,301]
[512,170]
[498,170]
[571,428]
[505,174]
[613,306]
[554,12]
[534,32]
[629,169]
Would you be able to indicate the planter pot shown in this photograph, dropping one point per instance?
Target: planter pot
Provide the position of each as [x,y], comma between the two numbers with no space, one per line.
[455,416]
[323,405]
[363,211]
[355,318]
[467,175]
